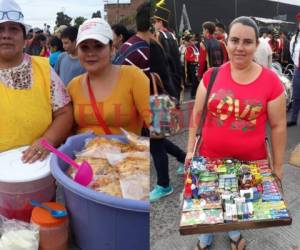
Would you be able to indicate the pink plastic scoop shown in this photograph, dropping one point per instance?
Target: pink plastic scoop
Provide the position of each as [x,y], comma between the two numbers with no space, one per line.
[84,173]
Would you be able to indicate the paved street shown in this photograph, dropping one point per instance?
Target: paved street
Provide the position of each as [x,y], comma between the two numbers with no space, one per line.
[165,214]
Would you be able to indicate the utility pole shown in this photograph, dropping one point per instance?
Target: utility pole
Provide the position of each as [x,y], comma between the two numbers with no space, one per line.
[235,8]
[118,13]
[175,16]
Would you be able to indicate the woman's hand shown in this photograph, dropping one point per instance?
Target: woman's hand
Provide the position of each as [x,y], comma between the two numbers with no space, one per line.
[278,175]
[278,172]
[188,158]
[58,131]
[35,152]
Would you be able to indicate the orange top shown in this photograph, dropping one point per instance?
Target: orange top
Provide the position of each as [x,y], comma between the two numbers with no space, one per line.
[43,217]
[127,106]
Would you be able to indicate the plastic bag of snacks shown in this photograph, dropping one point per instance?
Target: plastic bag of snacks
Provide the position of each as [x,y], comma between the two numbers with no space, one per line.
[18,235]
[99,146]
[138,142]
[114,158]
[135,186]
[119,164]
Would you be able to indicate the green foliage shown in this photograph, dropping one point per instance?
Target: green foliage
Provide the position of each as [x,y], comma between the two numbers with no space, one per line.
[62,19]
[78,21]
[96,14]
[129,20]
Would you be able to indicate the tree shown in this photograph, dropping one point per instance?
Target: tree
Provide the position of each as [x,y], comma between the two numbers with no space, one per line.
[62,19]
[78,21]
[96,14]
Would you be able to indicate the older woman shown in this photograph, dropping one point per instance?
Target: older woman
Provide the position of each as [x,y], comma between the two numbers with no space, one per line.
[243,98]
[108,96]
[33,103]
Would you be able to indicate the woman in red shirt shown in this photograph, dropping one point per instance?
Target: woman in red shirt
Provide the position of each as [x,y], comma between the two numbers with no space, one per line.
[244,97]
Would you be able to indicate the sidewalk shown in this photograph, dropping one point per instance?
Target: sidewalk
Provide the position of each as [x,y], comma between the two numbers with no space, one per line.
[165,214]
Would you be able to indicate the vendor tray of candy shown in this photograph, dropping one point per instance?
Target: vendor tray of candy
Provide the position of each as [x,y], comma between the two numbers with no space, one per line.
[227,194]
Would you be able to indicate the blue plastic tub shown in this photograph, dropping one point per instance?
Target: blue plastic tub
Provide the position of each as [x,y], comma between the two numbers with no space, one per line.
[100,221]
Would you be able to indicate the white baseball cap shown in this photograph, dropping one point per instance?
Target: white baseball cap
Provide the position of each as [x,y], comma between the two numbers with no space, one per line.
[95,28]
[12,13]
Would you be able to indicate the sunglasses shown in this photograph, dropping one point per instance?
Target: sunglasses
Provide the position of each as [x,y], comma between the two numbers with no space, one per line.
[11,15]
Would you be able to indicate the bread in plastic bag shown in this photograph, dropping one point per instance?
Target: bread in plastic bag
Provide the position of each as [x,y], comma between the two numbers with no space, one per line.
[135,186]
[140,143]
[18,235]
[109,184]
[114,158]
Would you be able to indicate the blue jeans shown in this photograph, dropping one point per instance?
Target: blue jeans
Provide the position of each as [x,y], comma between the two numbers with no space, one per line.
[206,239]
[296,96]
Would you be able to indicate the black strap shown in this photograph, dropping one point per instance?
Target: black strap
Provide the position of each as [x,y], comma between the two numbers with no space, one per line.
[204,112]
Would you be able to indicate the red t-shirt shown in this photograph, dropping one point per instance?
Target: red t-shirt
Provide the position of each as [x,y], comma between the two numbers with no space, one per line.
[235,124]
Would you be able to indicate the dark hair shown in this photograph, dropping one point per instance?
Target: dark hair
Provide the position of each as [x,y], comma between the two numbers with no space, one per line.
[220,25]
[263,30]
[131,32]
[120,29]
[210,26]
[247,21]
[41,37]
[283,32]
[56,42]
[70,33]
[142,17]
[36,46]
[165,23]
[187,38]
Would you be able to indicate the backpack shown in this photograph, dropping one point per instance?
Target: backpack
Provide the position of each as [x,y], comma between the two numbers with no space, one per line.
[120,57]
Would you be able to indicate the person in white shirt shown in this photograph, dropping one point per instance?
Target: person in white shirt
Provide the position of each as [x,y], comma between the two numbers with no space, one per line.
[295,49]
[263,54]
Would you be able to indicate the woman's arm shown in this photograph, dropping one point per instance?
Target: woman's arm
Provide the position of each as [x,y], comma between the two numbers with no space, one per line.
[56,134]
[195,119]
[277,120]
[141,95]
[61,126]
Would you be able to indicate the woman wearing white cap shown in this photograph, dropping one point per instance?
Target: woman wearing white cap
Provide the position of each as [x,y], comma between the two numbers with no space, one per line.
[108,96]
[33,103]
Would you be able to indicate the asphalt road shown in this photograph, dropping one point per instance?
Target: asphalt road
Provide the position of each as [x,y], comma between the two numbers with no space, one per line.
[165,213]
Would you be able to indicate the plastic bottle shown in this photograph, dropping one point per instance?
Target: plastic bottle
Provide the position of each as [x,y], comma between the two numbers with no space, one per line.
[53,232]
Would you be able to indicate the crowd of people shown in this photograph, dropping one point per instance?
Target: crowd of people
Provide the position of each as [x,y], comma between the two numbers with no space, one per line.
[64,84]
[244,59]
[98,78]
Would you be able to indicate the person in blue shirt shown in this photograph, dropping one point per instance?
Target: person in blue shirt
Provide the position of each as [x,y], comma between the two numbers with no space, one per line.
[68,65]
[56,48]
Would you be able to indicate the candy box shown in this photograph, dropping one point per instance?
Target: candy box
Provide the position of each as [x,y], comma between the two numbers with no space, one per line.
[198,204]
[207,216]
[208,176]
[231,195]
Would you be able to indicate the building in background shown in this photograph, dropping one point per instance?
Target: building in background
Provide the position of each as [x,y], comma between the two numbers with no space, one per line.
[118,12]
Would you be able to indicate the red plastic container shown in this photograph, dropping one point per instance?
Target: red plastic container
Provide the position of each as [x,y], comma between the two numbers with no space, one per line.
[15,197]
[20,183]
